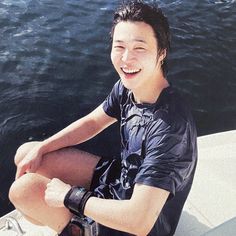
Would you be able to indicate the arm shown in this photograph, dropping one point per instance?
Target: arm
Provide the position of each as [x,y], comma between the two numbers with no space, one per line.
[29,157]
[136,216]
[79,131]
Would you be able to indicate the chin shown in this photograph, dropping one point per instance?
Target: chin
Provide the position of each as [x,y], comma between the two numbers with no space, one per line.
[128,83]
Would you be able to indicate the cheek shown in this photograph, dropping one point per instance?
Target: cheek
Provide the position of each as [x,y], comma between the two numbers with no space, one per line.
[114,59]
[150,61]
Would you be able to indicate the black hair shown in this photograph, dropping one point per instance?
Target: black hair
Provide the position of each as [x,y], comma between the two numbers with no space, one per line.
[138,10]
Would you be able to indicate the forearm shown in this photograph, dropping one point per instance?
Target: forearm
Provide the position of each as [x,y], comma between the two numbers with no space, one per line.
[77,132]
[136,215]
[121,215]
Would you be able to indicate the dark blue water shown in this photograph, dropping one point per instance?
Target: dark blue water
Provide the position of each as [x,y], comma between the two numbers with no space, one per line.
[55,68]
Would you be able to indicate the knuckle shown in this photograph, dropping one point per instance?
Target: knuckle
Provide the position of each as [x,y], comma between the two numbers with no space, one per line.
[17,158]
[20,165]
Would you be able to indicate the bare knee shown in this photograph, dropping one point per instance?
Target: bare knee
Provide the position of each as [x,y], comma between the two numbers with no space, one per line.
[27,188]
[27,194]
[23,150]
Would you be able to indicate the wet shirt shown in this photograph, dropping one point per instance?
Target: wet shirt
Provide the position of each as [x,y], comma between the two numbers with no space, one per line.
[158,148]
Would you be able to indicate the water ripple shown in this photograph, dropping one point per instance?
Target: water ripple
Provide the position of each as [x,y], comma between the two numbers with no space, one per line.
[55,65]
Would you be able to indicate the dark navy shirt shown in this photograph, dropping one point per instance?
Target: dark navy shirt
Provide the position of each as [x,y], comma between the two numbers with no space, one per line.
[158,148]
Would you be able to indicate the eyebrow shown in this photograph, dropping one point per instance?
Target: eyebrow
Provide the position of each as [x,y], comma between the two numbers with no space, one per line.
[135,40]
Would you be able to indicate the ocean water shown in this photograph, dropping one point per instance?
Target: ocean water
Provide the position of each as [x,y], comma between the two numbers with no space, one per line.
[55,67]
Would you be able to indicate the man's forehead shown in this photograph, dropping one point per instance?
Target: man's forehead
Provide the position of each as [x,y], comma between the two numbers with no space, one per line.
[133,31]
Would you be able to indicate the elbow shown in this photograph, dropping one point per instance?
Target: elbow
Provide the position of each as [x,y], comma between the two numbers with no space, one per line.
[141,230]
[142,226]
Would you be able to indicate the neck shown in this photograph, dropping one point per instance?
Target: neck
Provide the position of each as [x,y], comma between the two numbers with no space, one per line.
[151,92]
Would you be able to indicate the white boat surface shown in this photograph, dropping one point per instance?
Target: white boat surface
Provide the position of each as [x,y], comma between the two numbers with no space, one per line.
[211,205]
[210,209]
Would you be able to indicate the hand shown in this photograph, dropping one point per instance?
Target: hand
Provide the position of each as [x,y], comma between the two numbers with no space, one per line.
[55,193]
[30,156]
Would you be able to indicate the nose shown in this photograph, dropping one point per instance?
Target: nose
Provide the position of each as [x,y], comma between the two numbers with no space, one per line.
[127,55]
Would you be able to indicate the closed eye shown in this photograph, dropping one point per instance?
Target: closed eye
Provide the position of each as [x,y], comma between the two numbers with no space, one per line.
[139,48]
[119,47]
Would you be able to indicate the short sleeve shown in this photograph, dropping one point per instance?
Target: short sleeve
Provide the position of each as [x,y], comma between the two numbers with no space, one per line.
[169,156]
[111,104]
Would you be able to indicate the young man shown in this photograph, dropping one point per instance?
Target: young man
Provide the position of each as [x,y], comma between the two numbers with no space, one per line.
[143,191]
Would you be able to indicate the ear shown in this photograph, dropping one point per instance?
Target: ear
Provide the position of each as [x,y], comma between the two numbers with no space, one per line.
[162,55]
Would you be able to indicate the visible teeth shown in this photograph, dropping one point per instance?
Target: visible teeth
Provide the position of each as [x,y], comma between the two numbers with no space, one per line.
[129,71]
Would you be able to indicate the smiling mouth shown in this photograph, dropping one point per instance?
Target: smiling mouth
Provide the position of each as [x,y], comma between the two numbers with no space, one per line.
[130,71]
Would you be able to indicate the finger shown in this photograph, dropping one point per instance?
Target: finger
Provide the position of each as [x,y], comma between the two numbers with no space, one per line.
[17,174]
[20,171]
[31,169]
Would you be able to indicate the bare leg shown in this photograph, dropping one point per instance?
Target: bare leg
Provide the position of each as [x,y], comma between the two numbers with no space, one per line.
[70,165]
[27,193]
[30,202]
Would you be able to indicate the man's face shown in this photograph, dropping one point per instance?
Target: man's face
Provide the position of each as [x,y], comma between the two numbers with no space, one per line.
[134,54]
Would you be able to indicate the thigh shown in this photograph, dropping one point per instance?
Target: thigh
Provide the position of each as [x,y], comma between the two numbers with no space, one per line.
[71,165]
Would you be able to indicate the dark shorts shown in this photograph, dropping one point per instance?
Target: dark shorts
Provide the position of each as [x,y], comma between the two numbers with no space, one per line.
[106,175]
[106,184]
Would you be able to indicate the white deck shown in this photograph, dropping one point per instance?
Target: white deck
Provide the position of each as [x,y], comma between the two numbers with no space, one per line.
[212,200]
[210,209]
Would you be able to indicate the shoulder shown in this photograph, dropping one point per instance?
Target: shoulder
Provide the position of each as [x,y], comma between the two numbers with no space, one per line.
[174,106]
[172,113]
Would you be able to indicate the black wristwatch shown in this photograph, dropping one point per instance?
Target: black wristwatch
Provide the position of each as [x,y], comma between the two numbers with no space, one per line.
[76,199]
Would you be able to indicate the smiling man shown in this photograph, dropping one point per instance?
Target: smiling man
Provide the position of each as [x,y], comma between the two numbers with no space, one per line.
[143,191]
[137,59]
